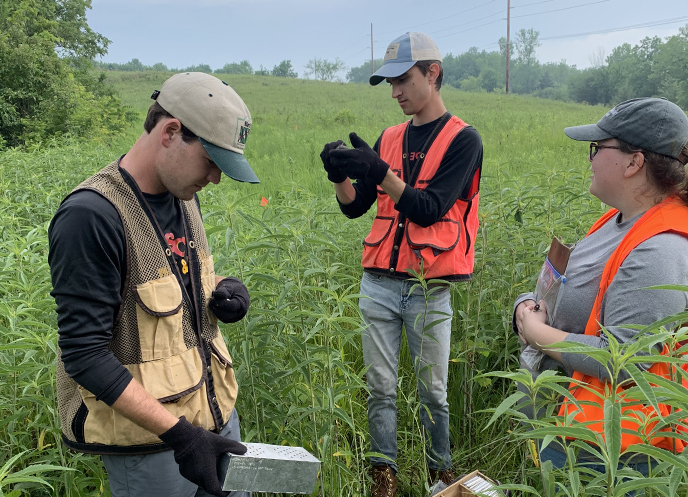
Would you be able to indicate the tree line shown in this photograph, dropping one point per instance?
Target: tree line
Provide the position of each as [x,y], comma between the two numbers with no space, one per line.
[49,88]
[321,69]
[653,67]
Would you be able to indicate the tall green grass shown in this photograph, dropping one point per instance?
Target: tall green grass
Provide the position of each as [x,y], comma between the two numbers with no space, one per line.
[297,353]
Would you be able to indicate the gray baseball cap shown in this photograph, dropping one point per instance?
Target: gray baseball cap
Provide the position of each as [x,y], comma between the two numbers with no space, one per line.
[403,53]
[215,113]
[653,124]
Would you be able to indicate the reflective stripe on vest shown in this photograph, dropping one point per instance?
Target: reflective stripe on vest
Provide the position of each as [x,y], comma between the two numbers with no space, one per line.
[669,216]
[445,248]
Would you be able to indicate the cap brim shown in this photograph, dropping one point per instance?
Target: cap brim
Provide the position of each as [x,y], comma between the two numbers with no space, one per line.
[587,133]
[390,70]
[231,163]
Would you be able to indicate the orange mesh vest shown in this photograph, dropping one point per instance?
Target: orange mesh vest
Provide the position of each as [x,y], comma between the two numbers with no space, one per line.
[445,248]
[669,216]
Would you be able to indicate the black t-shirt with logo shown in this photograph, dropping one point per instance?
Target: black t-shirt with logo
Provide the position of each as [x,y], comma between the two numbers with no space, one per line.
[87,264]
[451,181]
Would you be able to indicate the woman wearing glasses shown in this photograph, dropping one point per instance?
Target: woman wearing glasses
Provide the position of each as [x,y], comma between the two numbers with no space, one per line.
[637,155]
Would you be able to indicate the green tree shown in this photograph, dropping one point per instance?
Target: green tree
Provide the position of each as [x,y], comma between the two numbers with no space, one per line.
[471,63]
[263,71]
[362,73]
[592,86]
[525,44]
[472,84]
[46,88]
[489,79]
[198,68]
[525,78]
[243,67]
[670,69]
[284,70]
[323,69]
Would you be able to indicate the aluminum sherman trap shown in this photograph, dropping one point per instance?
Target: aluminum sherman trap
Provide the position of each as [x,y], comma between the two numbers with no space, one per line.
[272,468]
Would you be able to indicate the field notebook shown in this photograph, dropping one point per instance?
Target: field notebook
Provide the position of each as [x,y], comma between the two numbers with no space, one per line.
[552,277]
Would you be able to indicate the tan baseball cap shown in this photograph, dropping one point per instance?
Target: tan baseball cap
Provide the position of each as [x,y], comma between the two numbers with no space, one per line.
[215,113]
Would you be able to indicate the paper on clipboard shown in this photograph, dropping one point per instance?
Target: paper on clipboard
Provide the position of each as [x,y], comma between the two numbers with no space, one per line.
[552,276]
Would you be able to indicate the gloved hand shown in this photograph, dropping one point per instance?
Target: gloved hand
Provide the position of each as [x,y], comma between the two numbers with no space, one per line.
[230,300]
[197,451]
[334,174]
[359,162]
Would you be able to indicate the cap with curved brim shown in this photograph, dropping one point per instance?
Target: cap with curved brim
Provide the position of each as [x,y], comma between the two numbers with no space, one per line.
[390,70]
[231,163]
[587,133]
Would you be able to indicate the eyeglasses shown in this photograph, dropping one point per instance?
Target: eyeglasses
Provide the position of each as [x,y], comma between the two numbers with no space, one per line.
[594,148]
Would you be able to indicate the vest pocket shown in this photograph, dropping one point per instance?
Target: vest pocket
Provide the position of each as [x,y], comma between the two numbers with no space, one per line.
[175,381]
[159,318]
[442,236]
[382,225]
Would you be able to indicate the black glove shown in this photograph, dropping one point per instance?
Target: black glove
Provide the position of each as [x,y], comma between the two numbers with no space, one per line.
[359,162]
[334,174]
[230,300]
[198,451]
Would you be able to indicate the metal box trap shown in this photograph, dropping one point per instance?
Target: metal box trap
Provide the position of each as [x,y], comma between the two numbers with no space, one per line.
[272,468]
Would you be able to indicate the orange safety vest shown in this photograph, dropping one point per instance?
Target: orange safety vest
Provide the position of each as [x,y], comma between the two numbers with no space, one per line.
[671,216]
[396,244]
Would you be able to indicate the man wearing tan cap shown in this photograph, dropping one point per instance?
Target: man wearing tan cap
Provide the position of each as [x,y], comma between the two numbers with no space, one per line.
[143,367]
[424,175]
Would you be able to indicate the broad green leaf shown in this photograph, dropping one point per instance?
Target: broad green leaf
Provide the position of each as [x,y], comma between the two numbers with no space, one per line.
[612,434]
[504,405]
[675,479]
[623,488]
[660,455]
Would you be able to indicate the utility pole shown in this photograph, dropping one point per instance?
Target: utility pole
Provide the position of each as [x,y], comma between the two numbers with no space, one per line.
[508,43]
[372,60]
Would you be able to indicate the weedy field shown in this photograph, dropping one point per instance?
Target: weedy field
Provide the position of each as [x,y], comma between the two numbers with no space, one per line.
[297,354]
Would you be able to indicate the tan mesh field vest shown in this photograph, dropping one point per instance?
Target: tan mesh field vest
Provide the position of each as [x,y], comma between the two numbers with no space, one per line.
[154,336]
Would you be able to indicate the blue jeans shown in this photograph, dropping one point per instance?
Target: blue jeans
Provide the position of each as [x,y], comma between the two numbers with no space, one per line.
[387,308]
[559,461]
[158,474]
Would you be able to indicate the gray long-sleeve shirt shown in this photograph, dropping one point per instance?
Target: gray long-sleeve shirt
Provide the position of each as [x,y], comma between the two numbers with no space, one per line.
[661,260]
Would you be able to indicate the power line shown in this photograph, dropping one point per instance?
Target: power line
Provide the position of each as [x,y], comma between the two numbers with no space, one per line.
[471,29]
[443,18]
[625,28]
[650,24]
[526,15]
[354,55]
[564,8]
[467,23]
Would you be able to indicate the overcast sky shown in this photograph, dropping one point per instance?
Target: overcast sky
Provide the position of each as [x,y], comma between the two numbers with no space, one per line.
[180,33]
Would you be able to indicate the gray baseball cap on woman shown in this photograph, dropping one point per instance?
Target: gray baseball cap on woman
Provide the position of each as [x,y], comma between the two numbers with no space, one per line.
[653,124]
[215,113]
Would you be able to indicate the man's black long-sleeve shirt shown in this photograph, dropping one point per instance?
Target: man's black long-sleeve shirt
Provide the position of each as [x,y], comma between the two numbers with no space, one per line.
[451,181]
[87,259]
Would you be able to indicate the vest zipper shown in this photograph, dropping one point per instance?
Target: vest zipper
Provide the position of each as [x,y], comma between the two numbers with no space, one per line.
[193,306]
[193,273]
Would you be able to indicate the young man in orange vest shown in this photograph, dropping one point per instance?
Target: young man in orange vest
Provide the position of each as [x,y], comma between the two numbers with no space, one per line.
[425,175]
